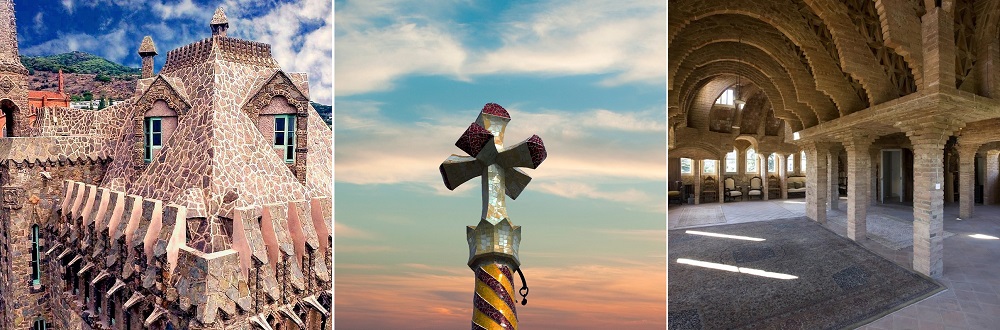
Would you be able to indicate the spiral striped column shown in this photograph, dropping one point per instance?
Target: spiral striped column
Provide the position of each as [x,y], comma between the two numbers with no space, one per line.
[493,303]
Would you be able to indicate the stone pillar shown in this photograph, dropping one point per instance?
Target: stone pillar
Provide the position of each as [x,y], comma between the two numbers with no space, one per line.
[928,205]
[859,178]
[698,175]
[783,175]
[720,168]
[876,157]
[938,32]
[834,178]
[949,181]
[967,179]
[992,170]
[763,176]
[816,181]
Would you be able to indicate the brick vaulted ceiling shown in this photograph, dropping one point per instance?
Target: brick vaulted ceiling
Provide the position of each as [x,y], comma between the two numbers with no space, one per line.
[813,61]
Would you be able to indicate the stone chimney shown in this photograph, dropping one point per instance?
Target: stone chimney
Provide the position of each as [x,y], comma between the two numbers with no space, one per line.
[147,50]
[219,23]
[61,83]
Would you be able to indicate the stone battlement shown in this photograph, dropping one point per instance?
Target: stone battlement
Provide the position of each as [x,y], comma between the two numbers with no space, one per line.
[230,49]
[210,270]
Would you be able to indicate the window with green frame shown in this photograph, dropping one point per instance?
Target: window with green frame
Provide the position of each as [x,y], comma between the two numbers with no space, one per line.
[153,130]
[284,136]
[36,269]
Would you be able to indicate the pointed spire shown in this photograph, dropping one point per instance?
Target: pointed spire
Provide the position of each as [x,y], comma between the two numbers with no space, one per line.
[219,23]
[60,82]
[9,59]
[147,50]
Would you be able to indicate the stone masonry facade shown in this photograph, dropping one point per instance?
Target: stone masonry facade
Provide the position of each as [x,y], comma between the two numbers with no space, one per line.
[218,216]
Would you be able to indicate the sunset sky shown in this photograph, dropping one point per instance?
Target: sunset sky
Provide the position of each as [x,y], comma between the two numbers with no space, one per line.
[589,77]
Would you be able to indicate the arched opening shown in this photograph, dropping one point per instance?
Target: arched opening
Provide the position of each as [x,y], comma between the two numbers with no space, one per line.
[9,109]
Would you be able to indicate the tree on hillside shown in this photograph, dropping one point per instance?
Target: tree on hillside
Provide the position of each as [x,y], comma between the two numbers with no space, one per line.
[100,106]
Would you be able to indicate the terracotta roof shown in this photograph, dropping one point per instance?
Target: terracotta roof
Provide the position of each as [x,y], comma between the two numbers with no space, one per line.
[46,94]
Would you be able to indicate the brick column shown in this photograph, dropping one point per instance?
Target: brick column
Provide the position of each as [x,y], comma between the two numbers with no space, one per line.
[938,32]
[928,139]
[967,179]
[720,167]
[873,188]
[859,178]
[698,175]
[763,176]
[992,169]
[949,181]
[783,175]
[834,178]
[816,181]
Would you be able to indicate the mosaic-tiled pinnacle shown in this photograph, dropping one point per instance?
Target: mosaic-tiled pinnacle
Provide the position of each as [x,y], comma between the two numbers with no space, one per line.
[147,47]
[219,17]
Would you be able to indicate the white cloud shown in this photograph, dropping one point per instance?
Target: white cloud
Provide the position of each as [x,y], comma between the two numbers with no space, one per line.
[582,162]
[39,22]
[625,40]
[296,49]
[182,9]
[68,4]
[112,45]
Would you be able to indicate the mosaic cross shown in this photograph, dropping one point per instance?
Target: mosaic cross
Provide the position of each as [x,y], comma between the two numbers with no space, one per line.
[493,242]
[495,164]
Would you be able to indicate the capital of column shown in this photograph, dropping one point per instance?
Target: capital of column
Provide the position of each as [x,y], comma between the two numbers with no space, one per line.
[993,153]
[966,149]
[857,141]
[931,131]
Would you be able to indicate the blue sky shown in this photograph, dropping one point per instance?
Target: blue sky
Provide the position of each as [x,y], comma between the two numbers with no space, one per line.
[299,31]
[589,77]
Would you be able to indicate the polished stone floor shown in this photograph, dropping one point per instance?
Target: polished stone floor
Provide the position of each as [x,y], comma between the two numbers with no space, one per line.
[971,266]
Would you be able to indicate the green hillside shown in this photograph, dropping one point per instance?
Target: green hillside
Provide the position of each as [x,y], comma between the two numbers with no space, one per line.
[79,62]
[325,111]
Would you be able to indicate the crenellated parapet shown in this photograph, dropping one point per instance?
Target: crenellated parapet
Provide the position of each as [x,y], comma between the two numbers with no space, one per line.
[176,263]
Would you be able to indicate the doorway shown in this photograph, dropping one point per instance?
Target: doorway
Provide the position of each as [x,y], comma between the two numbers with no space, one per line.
[891,176]
[9,109]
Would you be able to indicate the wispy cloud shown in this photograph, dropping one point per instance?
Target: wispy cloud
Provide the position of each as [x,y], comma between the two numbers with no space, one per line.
[372,149]
[113,45]
[551,38]
[68,4]
[342,230]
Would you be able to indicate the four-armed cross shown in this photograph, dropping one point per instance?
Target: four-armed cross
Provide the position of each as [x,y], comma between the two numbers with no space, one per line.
[493,242]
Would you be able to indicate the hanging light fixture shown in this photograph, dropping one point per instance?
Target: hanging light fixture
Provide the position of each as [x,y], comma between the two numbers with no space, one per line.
[738,97]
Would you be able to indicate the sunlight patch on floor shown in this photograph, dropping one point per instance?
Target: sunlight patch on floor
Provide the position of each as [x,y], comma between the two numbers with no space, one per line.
[729,268]
[746,238]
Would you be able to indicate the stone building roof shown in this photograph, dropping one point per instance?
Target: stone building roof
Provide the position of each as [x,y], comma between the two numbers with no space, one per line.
[219,17]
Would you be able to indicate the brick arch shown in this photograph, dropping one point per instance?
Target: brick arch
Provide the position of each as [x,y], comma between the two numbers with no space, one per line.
[161,90]
[278,85]
[699,150]
[830,80]
[782,15]
[821,106]
[698,98]
[779,98]
[801,79]
[848,39]
[988,48]
[901,31]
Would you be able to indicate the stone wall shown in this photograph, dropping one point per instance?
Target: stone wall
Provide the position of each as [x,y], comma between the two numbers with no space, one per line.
[176,264]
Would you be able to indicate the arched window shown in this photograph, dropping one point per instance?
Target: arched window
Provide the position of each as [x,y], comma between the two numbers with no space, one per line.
[791,166]
[771,163]
[158,124]
[802,163]
[40,324]
[686,167]
[731,162]
[36,269]
[726,98]
[709,166]
[751,160]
